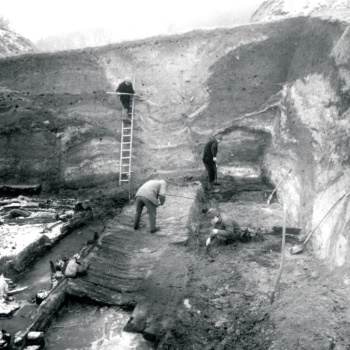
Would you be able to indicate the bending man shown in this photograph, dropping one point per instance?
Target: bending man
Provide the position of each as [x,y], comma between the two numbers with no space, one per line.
[151,194]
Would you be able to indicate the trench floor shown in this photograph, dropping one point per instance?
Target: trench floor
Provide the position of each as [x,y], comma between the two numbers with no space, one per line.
[185,296]
[189,297]
[128,267]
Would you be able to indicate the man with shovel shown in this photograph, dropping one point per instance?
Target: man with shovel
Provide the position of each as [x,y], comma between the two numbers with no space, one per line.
[151,194]
[209,160]
[225,229]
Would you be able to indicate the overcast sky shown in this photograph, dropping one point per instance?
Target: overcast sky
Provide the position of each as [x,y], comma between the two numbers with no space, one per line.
[133,19]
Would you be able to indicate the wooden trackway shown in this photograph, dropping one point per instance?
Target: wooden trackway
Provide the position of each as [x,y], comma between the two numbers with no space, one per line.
[131,268]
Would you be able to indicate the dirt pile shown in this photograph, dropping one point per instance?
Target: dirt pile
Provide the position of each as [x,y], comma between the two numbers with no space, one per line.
[12,44]
[278,91]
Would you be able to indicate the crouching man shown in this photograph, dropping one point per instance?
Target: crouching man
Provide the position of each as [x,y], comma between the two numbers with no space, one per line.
[151,194]
[225,229]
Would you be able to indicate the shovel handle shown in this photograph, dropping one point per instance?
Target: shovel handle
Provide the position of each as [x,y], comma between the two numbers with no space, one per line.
[272,297]
[176,195]
[310,234]
[270,196]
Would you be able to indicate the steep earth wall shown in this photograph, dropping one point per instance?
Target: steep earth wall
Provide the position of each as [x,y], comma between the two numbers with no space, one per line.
[278,91]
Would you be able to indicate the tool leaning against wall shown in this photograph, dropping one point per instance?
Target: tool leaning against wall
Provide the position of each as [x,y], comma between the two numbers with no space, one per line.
[299,248]
[271,195]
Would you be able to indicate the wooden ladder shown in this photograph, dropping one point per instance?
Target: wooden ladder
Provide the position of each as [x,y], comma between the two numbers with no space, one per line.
[126,144]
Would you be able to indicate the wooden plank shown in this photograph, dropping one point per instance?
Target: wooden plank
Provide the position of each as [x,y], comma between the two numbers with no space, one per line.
[100,268]
[120,278]
[118,285]
[106,264]
[84,289]
[46,311]
[113,250]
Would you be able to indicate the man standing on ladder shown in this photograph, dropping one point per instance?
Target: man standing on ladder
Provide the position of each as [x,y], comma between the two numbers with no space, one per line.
[125,90]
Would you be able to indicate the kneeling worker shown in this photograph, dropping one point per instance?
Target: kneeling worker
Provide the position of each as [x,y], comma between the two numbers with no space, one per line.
[151,194]
[223,227]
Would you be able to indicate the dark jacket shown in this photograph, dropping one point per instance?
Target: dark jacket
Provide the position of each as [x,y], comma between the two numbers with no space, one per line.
[210,151]
[226,228]
[126,89]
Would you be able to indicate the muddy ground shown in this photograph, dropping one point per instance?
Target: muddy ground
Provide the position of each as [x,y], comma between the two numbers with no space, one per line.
[228,293]
[226,301]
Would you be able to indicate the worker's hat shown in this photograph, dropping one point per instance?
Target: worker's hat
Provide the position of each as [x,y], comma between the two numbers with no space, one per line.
[212,212]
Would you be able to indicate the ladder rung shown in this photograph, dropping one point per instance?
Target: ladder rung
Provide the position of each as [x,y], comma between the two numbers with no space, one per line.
[126,128]
[126,157]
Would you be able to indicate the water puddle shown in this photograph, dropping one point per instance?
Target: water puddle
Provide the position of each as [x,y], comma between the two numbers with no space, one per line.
[37,277]
[91,327]
[77,326]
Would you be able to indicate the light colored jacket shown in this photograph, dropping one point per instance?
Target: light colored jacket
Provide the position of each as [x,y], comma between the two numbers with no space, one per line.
[152,190]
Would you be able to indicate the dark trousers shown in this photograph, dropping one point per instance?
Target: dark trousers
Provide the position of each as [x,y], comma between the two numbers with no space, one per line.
[152,212]
[126,106]
[211,169]
[125,100]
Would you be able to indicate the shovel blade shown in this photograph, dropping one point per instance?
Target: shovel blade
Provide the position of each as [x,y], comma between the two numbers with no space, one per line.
[296,249]
[270,198]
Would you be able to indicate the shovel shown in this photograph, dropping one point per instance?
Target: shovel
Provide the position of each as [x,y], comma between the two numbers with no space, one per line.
[299,248]
[272,298]
[270,196]
[177,195]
